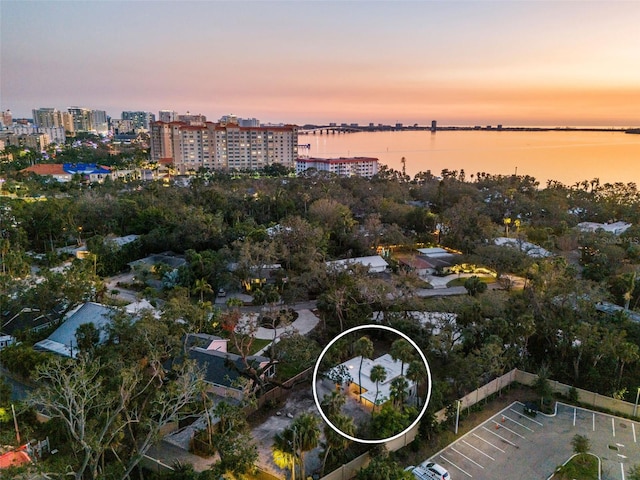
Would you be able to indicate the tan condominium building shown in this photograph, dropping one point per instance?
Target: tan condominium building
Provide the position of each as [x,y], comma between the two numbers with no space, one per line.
[222,146]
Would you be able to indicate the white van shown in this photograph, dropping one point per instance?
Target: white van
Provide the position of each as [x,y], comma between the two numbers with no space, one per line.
[430,471]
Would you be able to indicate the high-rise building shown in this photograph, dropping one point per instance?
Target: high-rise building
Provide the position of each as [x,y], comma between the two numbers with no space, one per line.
[221,146]
[120,127]
[161,141]
[141,120]
[249,122]
[99,122]
[192,119]
[6,118]
[47,118]
[243,122]
[81,118]
[89,121]
[167,116]
[34,141]
[67,123]
[54,134]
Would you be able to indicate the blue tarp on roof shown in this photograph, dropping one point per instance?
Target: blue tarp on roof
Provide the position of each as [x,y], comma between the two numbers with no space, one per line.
[84,168]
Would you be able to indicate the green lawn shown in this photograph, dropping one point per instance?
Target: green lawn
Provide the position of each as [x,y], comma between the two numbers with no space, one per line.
[583,466]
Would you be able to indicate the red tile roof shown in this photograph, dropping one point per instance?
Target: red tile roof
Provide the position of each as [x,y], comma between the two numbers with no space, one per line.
[14,459]
[46,169]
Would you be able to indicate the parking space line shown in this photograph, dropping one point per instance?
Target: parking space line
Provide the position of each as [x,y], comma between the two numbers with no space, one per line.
[594,422]
[524,416]
[517,423]
[622,470]
[488,442]
[478,450]
[470,459]
[633,427]
[507,429]
[499,436]
[574,417]
[613,427]
[447,460]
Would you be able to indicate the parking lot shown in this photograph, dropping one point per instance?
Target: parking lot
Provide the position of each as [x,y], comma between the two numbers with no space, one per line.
[512,445]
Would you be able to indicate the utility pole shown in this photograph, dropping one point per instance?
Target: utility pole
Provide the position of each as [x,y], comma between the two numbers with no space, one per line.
[15,423]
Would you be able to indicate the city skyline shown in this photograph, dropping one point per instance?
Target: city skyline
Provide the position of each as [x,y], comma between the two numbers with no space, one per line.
[513,63]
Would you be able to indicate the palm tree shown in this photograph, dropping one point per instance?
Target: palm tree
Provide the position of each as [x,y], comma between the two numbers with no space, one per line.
[332,403]
[284,452]
[307,436]
[403,351]
[416,372]
[333,441]
[398,390]
[378,374]
[362,348]
[202,286]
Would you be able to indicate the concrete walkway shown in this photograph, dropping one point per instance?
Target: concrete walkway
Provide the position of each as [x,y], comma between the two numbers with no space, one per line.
[168,454]
[305,322]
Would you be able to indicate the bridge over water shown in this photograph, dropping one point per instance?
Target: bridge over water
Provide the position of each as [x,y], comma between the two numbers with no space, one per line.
[330,130]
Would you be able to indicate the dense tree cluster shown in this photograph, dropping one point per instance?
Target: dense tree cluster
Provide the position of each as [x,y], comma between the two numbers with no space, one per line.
[232,227]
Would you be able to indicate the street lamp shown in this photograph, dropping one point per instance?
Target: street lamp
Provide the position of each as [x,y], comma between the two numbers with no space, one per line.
[635,409]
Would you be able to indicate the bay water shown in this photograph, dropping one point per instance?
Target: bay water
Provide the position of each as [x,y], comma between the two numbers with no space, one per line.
[568,156]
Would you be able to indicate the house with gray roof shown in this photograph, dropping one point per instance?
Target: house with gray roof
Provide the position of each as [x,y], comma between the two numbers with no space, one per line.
[223,371]
[63,340]
[375,263]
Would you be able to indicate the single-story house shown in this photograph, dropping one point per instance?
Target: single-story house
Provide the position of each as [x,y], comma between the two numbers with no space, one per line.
[616,227]
[65,172]
[166,258]
[375,263]
[54,170]
[63,340]
[223,370]
[415,263]
[80,251]
[438,259]
[88,171]
[531,249]
[27,319]
[369,399]
[612,308]
[434,321]
[6,340]
[257,275]
[14,458]
[147,265]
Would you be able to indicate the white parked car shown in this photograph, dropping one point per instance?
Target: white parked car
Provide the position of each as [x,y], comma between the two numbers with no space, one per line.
[430,471]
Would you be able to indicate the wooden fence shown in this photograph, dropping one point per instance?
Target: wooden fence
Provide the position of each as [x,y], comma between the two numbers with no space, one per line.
[280,392]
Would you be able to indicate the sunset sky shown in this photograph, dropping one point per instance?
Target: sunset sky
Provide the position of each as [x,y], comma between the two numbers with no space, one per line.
[476,62]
